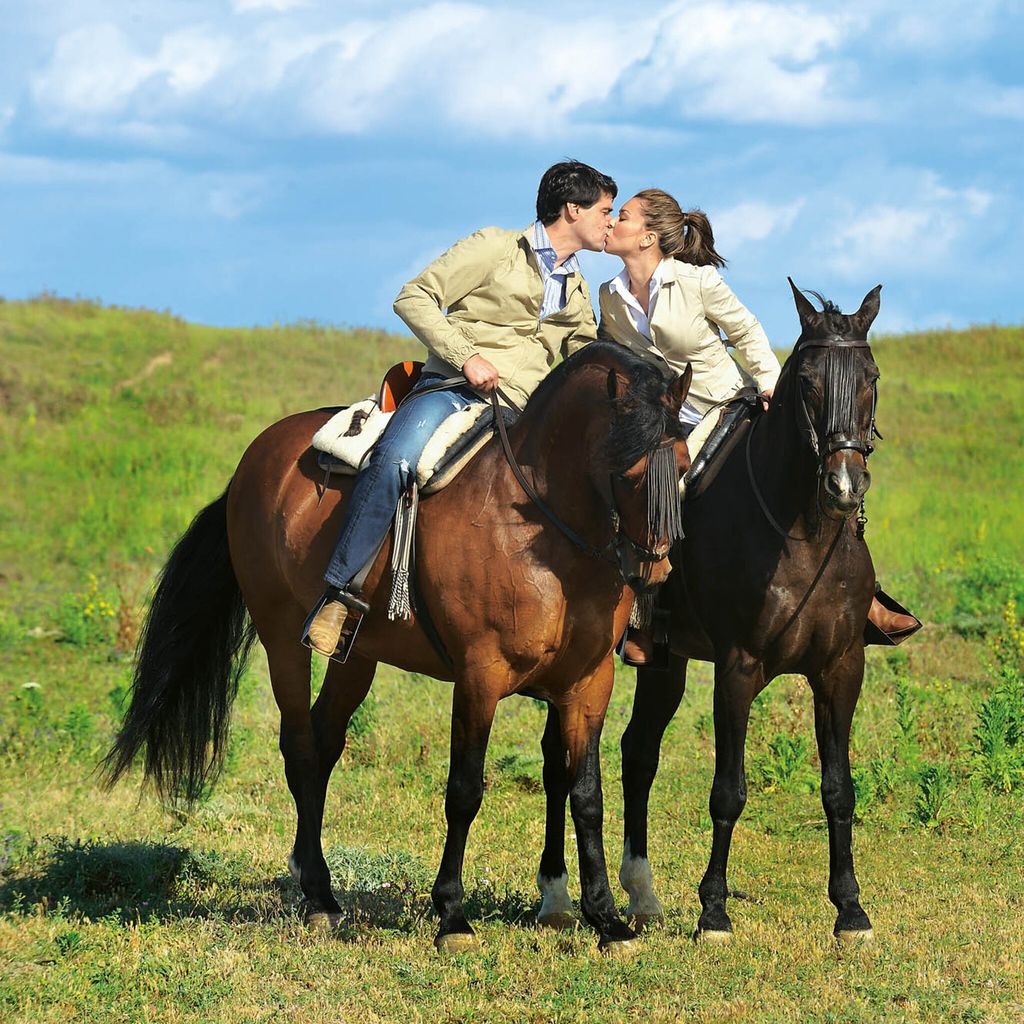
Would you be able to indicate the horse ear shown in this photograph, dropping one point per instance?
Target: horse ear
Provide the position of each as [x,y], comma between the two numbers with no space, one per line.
[865,316]
[680,386]
[615,387]
[804,307]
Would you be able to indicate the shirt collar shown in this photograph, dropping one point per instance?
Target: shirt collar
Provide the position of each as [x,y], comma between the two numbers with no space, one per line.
[620,284]
[545,251]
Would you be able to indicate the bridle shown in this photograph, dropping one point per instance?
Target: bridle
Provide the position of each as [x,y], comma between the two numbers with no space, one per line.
[614,551]
[838,436]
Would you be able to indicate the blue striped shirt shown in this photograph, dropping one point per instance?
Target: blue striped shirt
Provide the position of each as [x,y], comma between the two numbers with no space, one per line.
[552,276]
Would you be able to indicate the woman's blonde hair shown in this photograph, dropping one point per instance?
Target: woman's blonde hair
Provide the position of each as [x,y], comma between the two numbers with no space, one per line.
[686,236]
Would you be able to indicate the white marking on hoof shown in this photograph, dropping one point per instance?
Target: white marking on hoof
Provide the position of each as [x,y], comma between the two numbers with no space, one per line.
[555,907]
[621,950]
[323,922]
[457,942]
[636,878]
[865,937]
[712,938]
[293,867]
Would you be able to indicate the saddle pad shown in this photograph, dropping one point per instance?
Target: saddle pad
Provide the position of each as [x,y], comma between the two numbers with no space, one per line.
[448,451]
[350,434]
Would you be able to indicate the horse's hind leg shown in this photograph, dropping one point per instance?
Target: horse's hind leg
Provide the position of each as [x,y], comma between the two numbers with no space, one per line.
[835,697]
[737,681]
[344,689]
[552,876]
[658,693]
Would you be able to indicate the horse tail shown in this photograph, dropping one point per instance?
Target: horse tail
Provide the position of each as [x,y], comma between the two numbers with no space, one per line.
[192,651]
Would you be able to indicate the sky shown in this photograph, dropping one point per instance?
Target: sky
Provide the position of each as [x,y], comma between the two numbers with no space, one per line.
[256,161]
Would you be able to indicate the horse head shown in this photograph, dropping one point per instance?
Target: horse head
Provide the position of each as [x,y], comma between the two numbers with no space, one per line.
[835,394]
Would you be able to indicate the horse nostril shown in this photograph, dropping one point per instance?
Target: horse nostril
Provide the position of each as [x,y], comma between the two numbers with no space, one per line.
[833,485]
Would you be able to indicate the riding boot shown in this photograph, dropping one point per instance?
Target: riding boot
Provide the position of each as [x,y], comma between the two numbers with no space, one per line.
[323,627]
[637,647]
[889,623]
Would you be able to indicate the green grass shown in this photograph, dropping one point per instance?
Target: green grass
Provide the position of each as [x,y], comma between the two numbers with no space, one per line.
[113,909]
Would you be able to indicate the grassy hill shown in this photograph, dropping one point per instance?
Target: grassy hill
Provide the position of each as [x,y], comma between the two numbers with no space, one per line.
[117,425]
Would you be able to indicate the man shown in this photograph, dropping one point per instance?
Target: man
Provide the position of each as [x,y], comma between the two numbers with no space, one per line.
[499,306]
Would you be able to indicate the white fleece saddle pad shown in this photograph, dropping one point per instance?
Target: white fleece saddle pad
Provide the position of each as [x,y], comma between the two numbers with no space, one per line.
[345,440]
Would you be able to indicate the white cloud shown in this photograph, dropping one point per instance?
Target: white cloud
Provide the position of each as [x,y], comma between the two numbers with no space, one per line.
[916,235]
[753,222]
[464,65]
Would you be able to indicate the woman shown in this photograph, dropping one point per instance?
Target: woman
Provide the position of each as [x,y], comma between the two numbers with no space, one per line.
[671,305]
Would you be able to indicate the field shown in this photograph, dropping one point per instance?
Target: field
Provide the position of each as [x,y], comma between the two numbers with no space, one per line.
[116,426]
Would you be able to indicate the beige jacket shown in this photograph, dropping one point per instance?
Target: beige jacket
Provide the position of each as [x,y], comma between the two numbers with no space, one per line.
[490,284]
[693,306]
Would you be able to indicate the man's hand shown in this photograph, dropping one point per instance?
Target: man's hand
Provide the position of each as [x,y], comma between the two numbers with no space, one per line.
[765,397]
[480,373]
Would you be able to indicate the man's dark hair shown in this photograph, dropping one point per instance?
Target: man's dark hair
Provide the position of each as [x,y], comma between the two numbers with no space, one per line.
[571,182]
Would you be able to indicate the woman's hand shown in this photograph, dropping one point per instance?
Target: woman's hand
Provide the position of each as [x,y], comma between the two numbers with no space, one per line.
[480,373]
[765,397]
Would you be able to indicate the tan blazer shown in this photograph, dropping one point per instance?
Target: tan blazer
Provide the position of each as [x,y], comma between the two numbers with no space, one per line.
[490,284]
[692,307]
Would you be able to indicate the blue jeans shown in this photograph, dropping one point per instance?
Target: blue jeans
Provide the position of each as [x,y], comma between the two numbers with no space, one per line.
[388,472]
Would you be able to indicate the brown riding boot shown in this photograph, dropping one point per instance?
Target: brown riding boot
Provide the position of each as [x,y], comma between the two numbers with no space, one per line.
[889,625]
[323,628]
[638,647]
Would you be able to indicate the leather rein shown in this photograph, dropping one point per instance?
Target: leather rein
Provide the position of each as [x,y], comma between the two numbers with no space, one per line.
[611,552]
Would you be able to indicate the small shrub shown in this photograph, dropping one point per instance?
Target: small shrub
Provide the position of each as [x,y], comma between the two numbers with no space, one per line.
[87,617]
[934,793]
[907,747]
[787,765]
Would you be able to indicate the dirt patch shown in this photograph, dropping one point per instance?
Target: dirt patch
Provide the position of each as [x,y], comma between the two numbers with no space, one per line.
[163,359]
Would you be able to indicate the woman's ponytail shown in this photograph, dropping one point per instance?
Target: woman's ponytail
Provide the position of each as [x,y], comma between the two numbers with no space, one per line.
[685,236]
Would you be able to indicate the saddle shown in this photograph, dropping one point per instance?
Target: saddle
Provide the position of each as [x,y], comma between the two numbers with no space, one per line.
[734,420]
[344,442]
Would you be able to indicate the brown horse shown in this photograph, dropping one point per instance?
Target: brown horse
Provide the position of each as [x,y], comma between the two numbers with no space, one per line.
[773,577]
[517,606]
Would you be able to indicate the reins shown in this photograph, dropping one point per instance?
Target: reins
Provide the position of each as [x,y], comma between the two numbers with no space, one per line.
[608,553]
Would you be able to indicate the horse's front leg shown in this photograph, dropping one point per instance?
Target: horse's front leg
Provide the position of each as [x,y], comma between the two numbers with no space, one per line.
[658,693]
[738,679]
[472,715]
[582,717]
[552,877]
[835,697]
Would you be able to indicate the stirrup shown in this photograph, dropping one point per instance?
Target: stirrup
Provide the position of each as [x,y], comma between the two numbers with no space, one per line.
[357,608]
[876,635]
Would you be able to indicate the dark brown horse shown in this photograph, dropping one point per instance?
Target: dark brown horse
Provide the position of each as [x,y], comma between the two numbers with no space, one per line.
[517,606]
[775,579]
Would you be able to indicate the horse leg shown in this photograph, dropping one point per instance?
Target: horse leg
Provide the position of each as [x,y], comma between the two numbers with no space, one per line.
[738,679]
[289,677]
[835,697]
[658,693]
[472,715]
[581,722]
[344,688]
[552,877]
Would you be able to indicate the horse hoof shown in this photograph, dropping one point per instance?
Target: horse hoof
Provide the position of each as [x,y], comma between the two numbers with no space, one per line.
[708,937]
[863,937]
[322,921]
[645,922]
[620,949]
[457,942]
[559,921]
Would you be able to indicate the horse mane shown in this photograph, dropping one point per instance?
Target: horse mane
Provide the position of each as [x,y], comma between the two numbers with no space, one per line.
[641,416]
[834,320]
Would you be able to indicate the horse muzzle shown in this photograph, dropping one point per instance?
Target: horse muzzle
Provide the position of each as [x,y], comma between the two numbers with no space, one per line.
[844,481]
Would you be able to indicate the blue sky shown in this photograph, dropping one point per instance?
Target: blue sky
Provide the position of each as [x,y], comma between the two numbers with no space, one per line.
[246,161]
